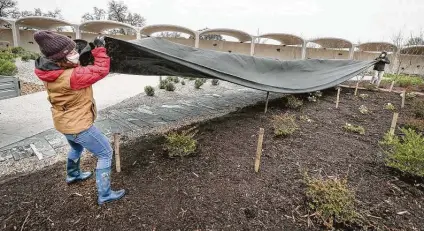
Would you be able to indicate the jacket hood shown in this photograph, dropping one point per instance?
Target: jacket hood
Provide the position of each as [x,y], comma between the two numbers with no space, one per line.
[47,70]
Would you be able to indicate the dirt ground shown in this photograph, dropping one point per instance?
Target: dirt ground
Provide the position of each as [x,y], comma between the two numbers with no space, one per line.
[218,190]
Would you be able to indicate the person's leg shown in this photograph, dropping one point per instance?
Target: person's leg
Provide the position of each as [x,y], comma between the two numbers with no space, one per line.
[95,142]
[380,77]
[374,77]
[73,171]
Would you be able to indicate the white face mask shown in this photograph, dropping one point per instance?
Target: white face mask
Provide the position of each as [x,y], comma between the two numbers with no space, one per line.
[73,58]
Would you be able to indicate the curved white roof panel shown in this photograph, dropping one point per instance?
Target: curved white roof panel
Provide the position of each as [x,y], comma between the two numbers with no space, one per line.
[40,22]
[413,50]
[98,26]
[332,42]
[285,39]
[377,46]
[151,29]
[238,34]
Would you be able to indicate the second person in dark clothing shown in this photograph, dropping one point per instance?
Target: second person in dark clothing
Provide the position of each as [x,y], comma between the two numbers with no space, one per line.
[379,68]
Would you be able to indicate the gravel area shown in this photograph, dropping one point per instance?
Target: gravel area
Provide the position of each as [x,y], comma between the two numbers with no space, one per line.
[26,72]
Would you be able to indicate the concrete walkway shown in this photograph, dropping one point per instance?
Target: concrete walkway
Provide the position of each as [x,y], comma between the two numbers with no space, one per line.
[25,116]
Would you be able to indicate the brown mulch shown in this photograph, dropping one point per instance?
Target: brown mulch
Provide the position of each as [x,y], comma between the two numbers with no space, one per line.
[29,88]
[218,189]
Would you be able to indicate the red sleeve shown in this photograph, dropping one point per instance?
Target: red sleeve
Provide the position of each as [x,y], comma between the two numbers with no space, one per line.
[83,77]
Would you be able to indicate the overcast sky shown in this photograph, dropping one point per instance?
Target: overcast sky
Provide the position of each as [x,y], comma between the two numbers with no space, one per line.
[356,20]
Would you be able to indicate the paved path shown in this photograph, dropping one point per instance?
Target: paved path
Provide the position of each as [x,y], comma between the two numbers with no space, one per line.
[25,116]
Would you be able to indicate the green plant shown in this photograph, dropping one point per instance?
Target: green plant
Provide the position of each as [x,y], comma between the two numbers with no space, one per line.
[162,84]
[406,153]
[6,56]
[284,125]
[191,78]
[293,102]
[390,106]
[7,68]
[149,90]
[176,79]
[415,124]
[404,80]
[331,200]
[198,83]
[317,94]
[418,108]
[410,95]
[183,82]
[363,96]
[312,98]
[370,87]
[215,82]
[306,118]
[17,50]
[180,145]
[354,128]
[170,86]
[363,109]
[170,79]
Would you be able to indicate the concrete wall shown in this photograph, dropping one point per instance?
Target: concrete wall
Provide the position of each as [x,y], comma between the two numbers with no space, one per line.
[408,64]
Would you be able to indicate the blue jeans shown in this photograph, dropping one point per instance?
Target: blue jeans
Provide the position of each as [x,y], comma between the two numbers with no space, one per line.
[95,142]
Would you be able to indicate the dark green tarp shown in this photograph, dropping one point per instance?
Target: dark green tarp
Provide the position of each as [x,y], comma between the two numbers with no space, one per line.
[155,56]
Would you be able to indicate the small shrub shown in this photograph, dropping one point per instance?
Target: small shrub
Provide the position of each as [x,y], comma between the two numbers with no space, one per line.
[312,98]
[6,56]
[215,82]
[34,55]
[191,78]
[354,128]
[17,50]
[162,84]
[306,118]
[26,57]
[363,96]
[176,79]
[284,125]
[410,95]
[293,102]
[170,79]
[418,108]
[180,145]
[331,200]
[363,109]
[415,124]
[183,82]
[318,94]
[198,83]
[390,106]
[7,68]
[149,90]
[370,87]
[170,86]
[406,153]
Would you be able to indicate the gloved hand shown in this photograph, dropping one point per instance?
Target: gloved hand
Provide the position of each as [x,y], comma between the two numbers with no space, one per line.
[99,41]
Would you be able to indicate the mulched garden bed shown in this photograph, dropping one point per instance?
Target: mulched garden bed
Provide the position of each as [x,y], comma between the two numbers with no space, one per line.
[218,190]
[29,88]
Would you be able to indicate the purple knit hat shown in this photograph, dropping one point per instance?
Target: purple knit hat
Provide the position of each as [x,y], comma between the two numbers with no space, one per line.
[53,46]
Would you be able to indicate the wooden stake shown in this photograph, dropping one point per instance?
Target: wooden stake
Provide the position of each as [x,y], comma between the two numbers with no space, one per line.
[356,89]
[266,102]
[259,149]
[391,86]
[116,139]
[338,97]
[394,121]
[403,99]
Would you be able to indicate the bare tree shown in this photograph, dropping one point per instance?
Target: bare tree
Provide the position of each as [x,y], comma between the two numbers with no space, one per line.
[216,37]
[406,54]
[98,14]
[117,11]
[7,7]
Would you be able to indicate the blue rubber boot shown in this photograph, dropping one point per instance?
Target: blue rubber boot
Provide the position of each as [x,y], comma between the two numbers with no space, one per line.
[105,194]
[74,173]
